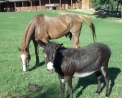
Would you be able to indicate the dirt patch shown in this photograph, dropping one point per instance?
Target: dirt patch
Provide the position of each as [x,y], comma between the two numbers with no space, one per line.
[120,21]
[88,11]
[114,20]
[77,10]
[11,96]
[34,87]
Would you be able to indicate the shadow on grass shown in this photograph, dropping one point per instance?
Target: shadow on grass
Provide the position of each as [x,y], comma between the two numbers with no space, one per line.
[34,67]
[106,13]
[86,81]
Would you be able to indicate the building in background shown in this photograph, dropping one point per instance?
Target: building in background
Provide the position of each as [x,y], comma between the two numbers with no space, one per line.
[27,5]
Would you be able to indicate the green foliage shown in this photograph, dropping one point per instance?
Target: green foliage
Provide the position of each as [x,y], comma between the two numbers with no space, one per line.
[110,4]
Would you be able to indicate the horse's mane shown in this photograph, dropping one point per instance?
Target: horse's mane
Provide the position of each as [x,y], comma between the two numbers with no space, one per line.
[29,30]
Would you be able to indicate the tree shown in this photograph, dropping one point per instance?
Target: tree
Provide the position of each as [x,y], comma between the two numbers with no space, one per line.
[109,4]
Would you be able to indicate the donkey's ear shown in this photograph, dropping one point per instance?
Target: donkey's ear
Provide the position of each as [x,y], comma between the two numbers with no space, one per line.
[19,49]
[41,43]
[58,45]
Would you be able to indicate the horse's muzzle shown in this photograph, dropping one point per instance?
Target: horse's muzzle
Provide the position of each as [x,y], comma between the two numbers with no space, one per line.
[25,68]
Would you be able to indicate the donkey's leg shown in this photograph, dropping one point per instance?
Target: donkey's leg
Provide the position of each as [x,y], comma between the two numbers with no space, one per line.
[62,87]
[36,52]
[69,81]
[105,74]
[99,75]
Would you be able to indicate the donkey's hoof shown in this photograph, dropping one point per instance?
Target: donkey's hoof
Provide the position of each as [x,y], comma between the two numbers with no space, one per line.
[106,96]
[96,93]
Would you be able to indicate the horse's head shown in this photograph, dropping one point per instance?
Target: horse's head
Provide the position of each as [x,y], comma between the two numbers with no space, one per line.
[25,58]
[50,50]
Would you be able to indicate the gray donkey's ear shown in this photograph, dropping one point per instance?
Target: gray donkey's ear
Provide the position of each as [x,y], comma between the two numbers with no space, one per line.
[58,46]
[41,43]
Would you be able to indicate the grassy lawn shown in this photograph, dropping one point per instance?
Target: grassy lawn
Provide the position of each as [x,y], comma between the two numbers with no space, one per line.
[14,82]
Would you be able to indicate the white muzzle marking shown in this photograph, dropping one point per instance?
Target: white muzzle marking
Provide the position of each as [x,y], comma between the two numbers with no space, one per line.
[23,62]
[63,80]
[24,68]
[50,66]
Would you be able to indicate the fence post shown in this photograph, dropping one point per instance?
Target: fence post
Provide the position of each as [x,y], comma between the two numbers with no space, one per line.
[121,10]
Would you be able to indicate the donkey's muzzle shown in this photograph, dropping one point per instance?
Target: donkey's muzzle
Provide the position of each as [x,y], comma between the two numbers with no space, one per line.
[51,71]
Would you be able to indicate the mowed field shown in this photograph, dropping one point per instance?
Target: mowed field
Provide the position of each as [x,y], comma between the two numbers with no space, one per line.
[14,82]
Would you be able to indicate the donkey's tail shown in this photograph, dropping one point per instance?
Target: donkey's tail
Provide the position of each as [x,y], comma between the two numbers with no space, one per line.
[91,25]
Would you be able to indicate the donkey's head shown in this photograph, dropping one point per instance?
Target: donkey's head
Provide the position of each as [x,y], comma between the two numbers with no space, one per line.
[50,50]
[25,58]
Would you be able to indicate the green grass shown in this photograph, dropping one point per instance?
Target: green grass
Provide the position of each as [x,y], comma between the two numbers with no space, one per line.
[13,82]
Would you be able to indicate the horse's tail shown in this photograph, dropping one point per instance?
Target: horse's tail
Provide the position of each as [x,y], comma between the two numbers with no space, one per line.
[91,25]
[28,33]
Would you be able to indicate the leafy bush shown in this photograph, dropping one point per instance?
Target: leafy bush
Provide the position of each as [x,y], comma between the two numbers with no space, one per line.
[107,4]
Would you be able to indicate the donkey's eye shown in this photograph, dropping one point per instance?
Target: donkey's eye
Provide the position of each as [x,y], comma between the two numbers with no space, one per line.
[54,54]
[45,55]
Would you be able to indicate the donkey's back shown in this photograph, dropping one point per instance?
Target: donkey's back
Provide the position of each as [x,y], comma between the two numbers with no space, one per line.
[86,59]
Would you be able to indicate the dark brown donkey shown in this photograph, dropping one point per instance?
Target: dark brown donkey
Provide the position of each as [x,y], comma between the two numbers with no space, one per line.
[77,62]
[44,28]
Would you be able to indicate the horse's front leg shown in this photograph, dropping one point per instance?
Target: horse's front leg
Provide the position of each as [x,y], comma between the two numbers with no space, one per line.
[36,46]
[69,81]
[62,87]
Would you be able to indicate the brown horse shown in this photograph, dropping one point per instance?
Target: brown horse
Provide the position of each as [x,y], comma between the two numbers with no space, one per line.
[44,28]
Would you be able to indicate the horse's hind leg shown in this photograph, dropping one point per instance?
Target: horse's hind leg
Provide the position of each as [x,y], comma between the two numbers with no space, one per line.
[36,46]
[105,74]
[99,75]
[75,40]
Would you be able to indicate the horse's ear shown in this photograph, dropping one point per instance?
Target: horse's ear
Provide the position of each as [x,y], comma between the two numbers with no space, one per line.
[19,49]
[41,43]
[58,45]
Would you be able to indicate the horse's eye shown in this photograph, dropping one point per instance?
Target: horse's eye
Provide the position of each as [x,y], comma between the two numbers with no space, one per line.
[54,54]
[45,55]
[29,58]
